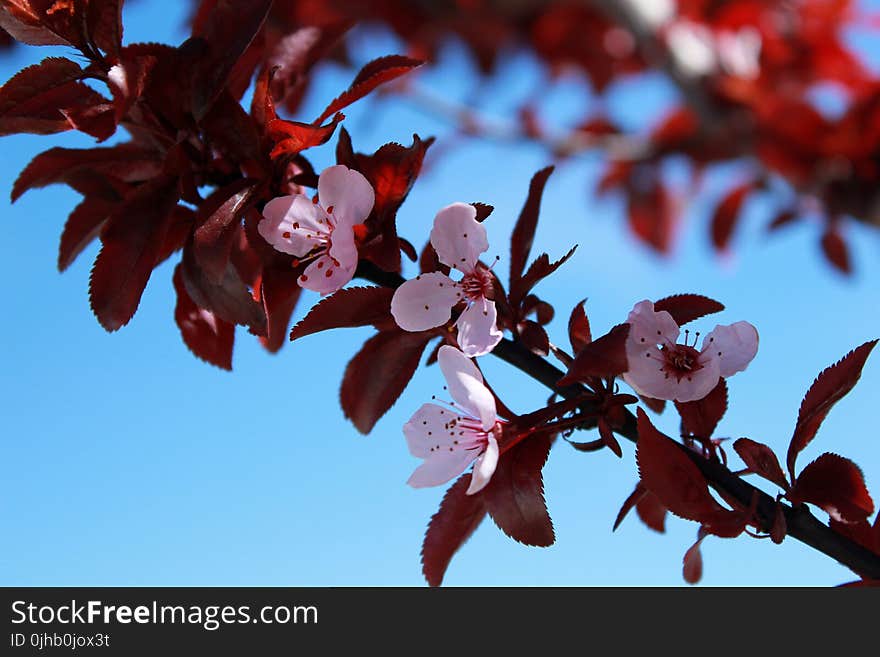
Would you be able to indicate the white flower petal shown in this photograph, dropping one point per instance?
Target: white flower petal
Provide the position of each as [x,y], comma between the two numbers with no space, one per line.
[440,469]
[293,225]
[434,431]
[347,192]
[466,386]
[424,302]
[324,276]
[485,467]
[477,332]
[457,236]
[734,345]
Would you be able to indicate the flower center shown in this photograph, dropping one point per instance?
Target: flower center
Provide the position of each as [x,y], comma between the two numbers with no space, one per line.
[680,360]
[477,284]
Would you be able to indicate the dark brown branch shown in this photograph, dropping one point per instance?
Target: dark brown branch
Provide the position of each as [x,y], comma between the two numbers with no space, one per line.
[801,524]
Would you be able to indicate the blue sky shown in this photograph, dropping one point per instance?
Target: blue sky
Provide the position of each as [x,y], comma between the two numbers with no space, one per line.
[126,461]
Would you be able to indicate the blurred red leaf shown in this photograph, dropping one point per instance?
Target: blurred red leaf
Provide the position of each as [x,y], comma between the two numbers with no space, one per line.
[836,250]
[727,214]
[651,216]
[514,496]
[832,384]
[131,242]
[603,357]
[348,307]
[692,569]
[376,72]
[783,218]
[207,336]
[700,417]
[836,485]
[378,374]
[459,515]
[686,308]
[291,137]
[524,231]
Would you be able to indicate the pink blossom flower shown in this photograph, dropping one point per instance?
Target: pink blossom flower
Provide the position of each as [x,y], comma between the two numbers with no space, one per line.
[322,231]
[661,368]
[449,439]
[426,301]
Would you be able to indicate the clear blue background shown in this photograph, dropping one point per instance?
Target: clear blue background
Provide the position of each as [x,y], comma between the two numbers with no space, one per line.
[126,461]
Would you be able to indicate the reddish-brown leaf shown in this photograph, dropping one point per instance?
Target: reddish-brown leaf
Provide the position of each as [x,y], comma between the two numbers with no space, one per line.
[82,227]
[217,221]
[524,231]
[579,328]
[761,460]
[458,517]
[727,214]
[656,405]
[514,496]
[686,308]
[230,299]
[131,241]
[836,251]
[832,384]
[376,72]
[668,473]
[281,292]
[651,216]
[629,503]
[835,484]
[483,210]
[232,133]
[692,569]
[44,22]
[96,170]
[783,218]
[540,269]
[652,512]
[348,307]
[534,337]
[207,336]
[291,137]
[700,417]
[104,20]
[228,30]
[378,374]
[603,357]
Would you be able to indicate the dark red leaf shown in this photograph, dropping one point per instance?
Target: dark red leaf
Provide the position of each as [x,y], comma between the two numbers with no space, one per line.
[608,438]
[686,308]
[668,473]
[836,251]
[652,512]
[589,446]
[82,227]
[230,299]
[783,218]
[534,337]
[131,242]
[524,231]
[700,417]
[292,137]
[761,460]
[656,405]
[832,384]
[651,216]
[391,171]
[232,133]
[540,269]
[348,307]
[95,169]
[603,357]
[579,328]
[514,496]
[281,292]
[727,214]
[206,335]
[228,31]
[836,485]
[376,72]
[692,569]
[128,79]
[104,20]
[459,515]
[629,503]
[217,221]
[93,115]
[44,22]
[378,374]
[483,210]
[779,528]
